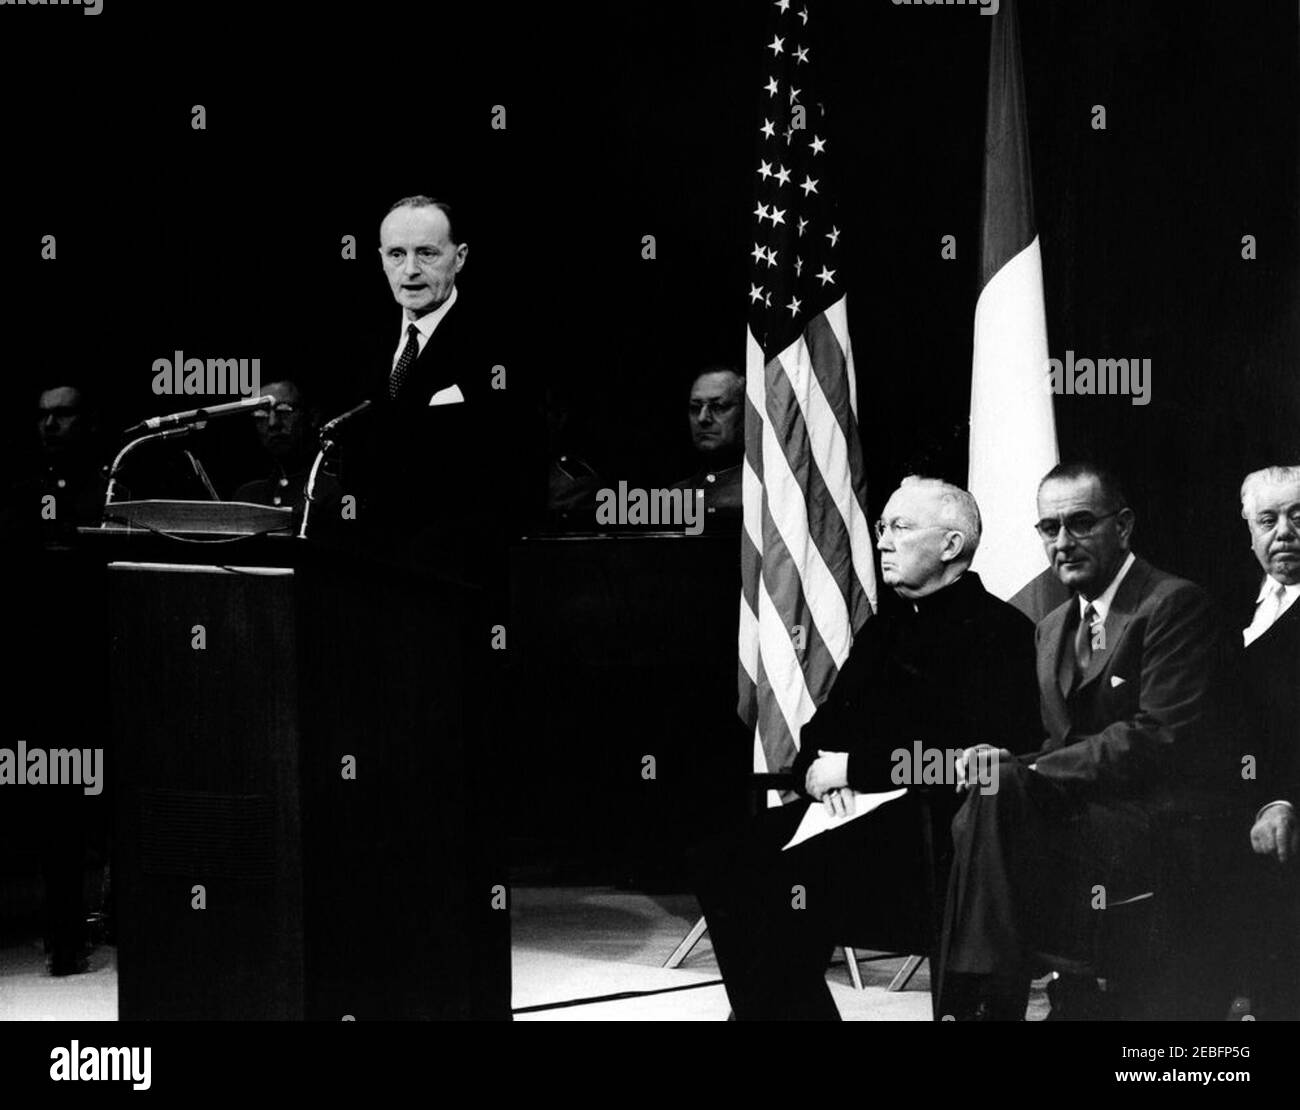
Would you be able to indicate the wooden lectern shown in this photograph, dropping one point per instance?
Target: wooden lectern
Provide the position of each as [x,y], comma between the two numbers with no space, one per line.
[298,746]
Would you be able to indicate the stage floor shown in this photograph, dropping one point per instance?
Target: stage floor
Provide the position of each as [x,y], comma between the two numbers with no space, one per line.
[574,948]
[575,943]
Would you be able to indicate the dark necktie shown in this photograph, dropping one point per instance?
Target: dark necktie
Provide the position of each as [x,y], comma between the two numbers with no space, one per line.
[404,363]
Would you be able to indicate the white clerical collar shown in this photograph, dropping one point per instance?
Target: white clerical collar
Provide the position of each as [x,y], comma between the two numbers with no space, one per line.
[430,320]
[1102,605]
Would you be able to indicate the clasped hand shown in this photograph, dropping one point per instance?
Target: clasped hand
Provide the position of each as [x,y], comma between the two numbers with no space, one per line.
[827,780]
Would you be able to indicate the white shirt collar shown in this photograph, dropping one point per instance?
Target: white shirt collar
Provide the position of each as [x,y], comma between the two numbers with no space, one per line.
[1289,593]
[1266,615]
[1102,605]
[429,320]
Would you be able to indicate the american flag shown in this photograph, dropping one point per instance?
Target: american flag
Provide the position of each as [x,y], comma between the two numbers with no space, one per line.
[808,578]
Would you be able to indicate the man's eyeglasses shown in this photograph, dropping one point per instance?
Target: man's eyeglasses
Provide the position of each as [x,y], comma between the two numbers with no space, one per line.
[719,408]
[1268,522]
[284,408]
[1078,525]
[901,527]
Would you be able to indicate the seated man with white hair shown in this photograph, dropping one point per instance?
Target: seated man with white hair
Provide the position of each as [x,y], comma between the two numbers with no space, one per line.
[945,668]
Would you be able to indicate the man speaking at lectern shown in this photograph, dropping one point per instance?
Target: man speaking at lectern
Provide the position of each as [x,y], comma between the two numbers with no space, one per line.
[423,463]
[423,468]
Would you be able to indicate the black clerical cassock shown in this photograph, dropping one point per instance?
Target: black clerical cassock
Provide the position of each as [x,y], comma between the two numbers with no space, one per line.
[951,670]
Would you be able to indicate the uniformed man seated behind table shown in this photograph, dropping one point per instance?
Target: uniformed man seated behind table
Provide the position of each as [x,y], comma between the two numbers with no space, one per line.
[717,421]
[287,434]
[948,666]
[68,426]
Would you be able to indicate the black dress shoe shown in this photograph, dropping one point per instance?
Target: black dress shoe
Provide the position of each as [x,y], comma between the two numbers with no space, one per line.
[984,998]
[1000,1008]
[62,964]
[1080,998]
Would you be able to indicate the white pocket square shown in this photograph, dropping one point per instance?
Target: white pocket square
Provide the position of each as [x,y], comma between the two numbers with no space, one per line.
[449,396]
[1115,680]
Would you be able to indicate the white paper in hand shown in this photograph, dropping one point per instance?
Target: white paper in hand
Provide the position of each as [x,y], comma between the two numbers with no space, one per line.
[817,820]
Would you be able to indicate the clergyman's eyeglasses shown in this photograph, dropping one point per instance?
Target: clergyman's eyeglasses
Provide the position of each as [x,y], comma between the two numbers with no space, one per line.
[1079,525]
[901,527]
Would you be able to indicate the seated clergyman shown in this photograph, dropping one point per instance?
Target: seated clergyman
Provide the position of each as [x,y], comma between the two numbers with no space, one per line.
[947,665]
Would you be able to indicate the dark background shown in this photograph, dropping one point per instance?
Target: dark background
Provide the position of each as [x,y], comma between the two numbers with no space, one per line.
[1141,230]
[639,119]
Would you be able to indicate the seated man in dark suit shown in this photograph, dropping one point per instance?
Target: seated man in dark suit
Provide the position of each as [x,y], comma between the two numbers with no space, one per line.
[1269,685]
[945,667]
[1124,674]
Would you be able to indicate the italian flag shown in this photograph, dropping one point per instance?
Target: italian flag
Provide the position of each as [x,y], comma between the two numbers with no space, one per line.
[1012,428]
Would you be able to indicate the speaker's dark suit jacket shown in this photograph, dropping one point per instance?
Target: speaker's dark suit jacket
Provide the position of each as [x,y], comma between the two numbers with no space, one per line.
[430,493]
[455,354]
[431,479]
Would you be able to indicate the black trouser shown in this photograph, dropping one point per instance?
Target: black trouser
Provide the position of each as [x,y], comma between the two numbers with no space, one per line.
[1270,924]
[1033,864]
[774,917]
[62,833]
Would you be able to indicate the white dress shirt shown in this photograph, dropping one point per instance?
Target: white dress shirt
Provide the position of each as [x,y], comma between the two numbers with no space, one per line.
[1275,598]
[424,325]
[1102,604]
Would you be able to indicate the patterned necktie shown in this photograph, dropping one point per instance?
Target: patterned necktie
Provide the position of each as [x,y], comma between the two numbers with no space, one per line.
[409,354]
[1083,644]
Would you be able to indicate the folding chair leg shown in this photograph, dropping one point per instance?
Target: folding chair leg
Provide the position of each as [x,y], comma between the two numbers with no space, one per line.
[905,973]
[689,941]
[851,958]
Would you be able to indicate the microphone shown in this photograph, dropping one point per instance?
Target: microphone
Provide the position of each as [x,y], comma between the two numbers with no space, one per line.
[198,416]
[327,445]
[338,422]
